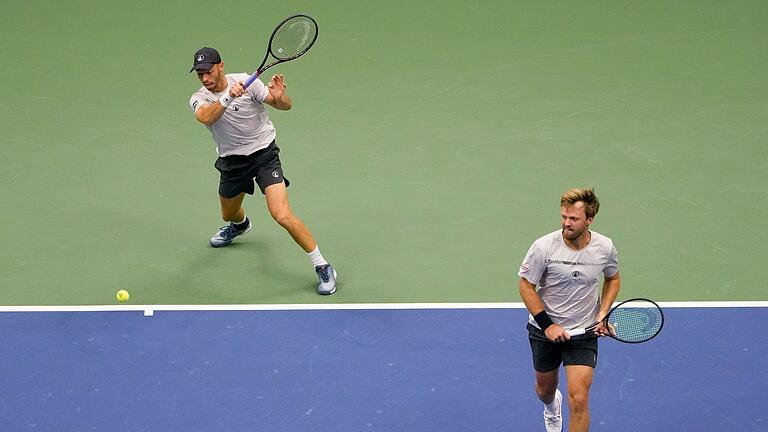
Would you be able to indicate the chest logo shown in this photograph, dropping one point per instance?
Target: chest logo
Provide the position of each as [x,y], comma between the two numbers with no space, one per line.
[575,274]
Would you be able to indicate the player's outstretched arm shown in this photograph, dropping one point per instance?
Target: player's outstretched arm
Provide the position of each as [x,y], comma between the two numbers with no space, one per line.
[277,97]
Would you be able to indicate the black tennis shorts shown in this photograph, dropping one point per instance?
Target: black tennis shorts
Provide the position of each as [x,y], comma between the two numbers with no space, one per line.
[547,355]
[239,173]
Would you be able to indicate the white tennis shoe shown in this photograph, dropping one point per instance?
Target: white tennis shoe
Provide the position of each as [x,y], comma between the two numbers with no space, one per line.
[554,422]
[327,275]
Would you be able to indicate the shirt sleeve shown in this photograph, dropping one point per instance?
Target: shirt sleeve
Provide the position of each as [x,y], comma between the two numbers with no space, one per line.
[258,90]
[533,266]
[612,263]
[196,101]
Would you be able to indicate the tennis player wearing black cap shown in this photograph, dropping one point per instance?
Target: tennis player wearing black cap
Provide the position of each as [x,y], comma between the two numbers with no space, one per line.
[245,142]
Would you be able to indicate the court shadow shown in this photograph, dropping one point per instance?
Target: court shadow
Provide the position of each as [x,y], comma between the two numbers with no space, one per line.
[241,273]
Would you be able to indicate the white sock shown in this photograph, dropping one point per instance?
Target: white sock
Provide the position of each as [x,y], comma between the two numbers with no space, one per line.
[552,407]
[316,257]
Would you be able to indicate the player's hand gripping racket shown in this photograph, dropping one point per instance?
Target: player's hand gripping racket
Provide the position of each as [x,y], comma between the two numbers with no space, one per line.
[631,321]
[290,40]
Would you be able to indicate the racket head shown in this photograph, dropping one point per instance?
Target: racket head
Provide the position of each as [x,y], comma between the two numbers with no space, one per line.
[635,320]
[293,37]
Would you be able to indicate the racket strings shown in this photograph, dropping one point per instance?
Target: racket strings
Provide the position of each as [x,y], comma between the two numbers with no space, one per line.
[636,323]
[293,38]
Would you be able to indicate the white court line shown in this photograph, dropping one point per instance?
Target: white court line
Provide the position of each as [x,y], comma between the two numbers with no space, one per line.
[149,309]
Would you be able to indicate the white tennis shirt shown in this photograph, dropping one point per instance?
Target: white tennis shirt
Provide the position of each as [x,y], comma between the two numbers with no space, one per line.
[567,279]
[245,126]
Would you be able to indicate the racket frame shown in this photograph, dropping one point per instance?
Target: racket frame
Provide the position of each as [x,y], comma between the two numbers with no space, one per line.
[606,320]
[278,60]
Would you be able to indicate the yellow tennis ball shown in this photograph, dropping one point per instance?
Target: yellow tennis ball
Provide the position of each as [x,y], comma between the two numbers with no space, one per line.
[122,296]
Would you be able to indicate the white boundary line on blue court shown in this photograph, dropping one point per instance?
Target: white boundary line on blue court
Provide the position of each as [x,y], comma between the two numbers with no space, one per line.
[150,309]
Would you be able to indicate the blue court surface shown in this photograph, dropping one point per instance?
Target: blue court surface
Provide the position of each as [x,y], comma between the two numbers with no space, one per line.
[363,370]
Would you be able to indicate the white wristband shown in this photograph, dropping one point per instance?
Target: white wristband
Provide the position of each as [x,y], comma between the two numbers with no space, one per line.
[226,99]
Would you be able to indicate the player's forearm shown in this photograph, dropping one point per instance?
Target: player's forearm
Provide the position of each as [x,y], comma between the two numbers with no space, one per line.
[552,331]
[530,297]
[610,291]
[282,103]
[210,113]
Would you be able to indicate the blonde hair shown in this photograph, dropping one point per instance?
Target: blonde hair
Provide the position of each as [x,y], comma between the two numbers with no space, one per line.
[586,196]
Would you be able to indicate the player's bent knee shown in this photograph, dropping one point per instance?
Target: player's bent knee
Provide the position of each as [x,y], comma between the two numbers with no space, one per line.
[284,219]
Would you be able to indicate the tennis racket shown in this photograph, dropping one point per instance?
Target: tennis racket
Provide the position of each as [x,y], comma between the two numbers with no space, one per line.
[290,40]
[631,321]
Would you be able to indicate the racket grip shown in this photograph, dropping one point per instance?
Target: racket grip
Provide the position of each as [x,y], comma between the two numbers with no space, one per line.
[576,332]
[251,79]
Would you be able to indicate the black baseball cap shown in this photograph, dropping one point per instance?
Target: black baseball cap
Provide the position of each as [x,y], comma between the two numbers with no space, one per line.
[205,58]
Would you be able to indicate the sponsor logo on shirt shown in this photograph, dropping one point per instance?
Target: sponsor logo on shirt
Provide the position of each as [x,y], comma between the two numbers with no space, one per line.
[554,261]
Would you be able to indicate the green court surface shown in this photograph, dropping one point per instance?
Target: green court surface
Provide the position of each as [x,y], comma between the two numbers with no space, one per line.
[428,146]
